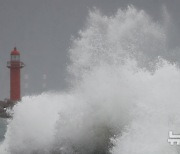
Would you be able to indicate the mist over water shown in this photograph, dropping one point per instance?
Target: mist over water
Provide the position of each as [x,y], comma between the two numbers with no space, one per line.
[124,97]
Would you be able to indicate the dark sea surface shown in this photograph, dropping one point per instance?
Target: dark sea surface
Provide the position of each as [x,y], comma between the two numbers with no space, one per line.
[3,126]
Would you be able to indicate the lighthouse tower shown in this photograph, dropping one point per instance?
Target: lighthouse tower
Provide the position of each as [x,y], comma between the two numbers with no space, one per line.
[15,66]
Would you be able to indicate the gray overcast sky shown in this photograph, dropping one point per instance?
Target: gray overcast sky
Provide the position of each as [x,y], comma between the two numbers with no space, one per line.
[42,29]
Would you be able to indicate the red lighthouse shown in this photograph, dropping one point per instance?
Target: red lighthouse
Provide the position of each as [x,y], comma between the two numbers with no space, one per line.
[15,66]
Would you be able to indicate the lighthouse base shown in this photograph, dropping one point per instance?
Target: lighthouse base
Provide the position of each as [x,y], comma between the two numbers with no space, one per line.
[4,106]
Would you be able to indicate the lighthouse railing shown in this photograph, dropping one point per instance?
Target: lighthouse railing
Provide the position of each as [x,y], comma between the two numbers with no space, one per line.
[15,64]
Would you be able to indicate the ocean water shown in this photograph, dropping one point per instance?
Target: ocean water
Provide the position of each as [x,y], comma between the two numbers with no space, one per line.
[124,95]
[3,124]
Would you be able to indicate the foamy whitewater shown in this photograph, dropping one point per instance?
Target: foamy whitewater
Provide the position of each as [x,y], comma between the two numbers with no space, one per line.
[124,96]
